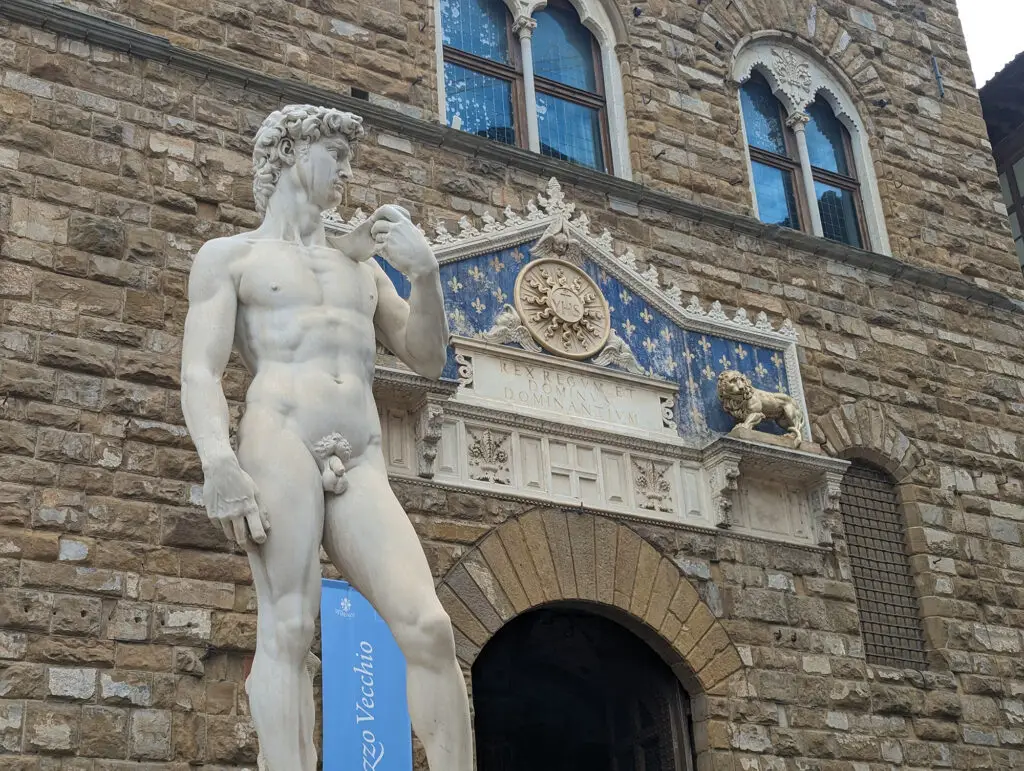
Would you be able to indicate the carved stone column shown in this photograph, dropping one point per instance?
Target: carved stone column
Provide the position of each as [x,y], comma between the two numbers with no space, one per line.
[798,122]
[524,26]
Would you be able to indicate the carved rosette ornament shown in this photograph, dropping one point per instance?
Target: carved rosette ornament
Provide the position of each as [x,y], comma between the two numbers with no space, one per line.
[563,308]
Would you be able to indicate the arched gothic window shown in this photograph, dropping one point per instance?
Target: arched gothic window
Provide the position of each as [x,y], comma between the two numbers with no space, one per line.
[535,81]
[810,164]
[890,620]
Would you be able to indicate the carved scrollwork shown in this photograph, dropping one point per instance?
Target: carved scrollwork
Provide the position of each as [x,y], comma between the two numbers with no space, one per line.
[465,372]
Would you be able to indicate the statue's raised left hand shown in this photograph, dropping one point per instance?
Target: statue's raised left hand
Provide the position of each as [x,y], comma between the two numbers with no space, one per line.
[401,243]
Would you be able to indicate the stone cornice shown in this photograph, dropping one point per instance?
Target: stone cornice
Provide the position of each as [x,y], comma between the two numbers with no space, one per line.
[92,29]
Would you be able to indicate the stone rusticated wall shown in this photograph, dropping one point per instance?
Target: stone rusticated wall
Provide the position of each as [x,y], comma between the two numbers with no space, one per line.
[932,156]
[125,623]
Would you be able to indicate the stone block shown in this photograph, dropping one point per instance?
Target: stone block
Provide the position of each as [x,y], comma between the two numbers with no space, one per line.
[52,729]
[12,718]
[126,689]
[78,684]
[187,591]
[104,732]
[76,615]
[150,735]
[128,621]
[182,626]
[230,740]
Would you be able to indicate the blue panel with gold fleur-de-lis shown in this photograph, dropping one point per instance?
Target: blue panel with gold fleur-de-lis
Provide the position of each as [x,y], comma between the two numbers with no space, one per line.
[476,290]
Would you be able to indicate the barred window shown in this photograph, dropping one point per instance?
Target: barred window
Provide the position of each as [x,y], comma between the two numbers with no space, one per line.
[890,620]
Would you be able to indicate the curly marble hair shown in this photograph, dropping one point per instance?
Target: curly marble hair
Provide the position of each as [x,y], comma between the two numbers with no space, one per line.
[290,130]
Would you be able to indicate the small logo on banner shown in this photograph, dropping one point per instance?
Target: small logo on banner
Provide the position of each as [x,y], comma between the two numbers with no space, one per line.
[344,608]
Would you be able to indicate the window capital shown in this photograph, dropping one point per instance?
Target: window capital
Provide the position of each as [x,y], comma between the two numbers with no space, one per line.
[798,121]
[524,26]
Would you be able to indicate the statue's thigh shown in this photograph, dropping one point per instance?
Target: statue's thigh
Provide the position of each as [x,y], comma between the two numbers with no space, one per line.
[291,493]
[370,539]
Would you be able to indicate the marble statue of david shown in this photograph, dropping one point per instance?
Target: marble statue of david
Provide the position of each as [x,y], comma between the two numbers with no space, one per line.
[304,313]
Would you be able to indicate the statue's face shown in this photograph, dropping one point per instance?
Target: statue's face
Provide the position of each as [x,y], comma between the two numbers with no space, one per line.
[323,170]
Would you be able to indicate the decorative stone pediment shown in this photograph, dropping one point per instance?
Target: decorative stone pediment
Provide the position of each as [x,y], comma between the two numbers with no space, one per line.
[584,379]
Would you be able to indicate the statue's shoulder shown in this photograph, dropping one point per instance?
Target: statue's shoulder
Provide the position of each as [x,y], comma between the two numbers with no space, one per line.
[221,253]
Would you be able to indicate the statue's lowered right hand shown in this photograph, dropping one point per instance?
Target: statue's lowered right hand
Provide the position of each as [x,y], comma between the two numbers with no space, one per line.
[232,499]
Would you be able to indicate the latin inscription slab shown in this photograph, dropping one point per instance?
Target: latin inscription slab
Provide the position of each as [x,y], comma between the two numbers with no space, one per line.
[572,393]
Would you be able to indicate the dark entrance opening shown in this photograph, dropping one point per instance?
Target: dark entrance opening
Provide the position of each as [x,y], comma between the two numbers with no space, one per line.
[568,689]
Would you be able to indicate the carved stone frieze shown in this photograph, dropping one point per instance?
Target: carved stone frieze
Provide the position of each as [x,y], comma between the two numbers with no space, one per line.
[489,456]
[651,485]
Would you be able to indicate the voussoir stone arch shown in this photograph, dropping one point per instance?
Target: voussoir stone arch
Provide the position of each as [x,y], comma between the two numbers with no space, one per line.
[804,24]
[550,556]
[863,430]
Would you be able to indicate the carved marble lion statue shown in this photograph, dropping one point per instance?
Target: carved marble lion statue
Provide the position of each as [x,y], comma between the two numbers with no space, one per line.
[751,405]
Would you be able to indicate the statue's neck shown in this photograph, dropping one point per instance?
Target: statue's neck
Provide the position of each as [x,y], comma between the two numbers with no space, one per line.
[291,216]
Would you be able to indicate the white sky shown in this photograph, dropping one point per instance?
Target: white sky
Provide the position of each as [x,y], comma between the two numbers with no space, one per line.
[995,34]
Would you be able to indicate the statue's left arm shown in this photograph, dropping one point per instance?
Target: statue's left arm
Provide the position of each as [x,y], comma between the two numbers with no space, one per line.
[415,331]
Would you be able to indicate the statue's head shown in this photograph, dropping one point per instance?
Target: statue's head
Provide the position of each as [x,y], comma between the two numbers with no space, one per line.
[312,143]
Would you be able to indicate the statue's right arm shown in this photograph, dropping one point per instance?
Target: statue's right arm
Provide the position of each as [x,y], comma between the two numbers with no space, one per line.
[229,493]
[206,346]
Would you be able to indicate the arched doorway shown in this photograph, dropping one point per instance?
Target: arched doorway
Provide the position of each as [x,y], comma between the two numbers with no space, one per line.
[563,687]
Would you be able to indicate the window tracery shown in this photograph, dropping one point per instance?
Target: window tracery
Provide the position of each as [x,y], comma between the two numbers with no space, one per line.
[808,153]
[541,76]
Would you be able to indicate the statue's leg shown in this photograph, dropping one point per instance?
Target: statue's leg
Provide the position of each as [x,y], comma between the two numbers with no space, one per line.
[372,542]
[286,574]
[753,420]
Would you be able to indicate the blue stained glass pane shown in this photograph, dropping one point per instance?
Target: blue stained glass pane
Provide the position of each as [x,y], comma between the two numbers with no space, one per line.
[562,49]
[825,144]
[762,116]
[776,199]
[477,27]
[569,131]
[479,104]
[838,214]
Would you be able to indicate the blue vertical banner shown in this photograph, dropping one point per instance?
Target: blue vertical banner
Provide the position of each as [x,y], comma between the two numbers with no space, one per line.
[366,716]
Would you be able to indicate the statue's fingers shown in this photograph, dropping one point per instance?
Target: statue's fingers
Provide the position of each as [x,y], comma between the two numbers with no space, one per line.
[255,522]
[229,533]
[381,227]
[264,516]
[238,523]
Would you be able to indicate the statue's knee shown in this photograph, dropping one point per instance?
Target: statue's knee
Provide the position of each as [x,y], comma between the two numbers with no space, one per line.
[293,634]
[429,637]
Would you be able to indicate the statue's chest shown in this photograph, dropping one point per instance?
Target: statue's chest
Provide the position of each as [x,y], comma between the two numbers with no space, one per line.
[306,277]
